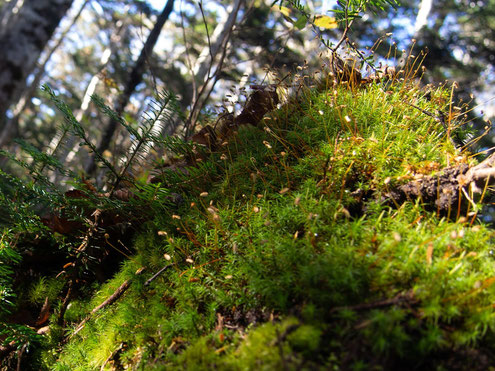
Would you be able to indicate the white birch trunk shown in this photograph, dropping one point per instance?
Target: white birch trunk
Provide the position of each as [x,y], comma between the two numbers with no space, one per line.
[423,14]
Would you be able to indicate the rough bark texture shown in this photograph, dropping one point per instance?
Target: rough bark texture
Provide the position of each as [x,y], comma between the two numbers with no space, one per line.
[441,192]
[22,43]
[451,190]
[11,127]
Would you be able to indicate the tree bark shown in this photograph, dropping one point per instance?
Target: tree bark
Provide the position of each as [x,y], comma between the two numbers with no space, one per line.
[11,126]
[135,77]
[22,42]
[452,191]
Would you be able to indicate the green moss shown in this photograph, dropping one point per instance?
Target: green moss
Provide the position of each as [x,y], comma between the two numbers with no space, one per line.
[282,265]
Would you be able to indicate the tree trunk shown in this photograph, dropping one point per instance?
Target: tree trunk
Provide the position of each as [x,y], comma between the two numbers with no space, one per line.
[423,15]
[135,77]
[22,42]
[10,128]
[8,11]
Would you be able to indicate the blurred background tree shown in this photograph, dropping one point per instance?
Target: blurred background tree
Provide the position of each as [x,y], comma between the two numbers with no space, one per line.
[208,52]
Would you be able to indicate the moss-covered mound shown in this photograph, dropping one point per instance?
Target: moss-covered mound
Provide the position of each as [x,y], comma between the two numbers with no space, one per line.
[285,253]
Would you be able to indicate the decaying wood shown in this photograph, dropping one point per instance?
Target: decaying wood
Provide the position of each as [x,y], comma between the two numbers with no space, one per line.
[441,191]
[450,189]
[480,175]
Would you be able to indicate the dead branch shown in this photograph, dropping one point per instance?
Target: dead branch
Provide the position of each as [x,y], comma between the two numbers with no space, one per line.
[112,356]
[110,300]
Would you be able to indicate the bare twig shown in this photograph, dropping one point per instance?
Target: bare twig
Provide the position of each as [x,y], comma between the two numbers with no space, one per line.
[209,79]
[110,300]
[188,54]
[111,356]
[20,352]
[207,36]
[157,274]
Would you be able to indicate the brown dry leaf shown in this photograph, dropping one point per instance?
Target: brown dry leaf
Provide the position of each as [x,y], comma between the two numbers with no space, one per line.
[44,313]
[75,193]
[60,225]
[89,186]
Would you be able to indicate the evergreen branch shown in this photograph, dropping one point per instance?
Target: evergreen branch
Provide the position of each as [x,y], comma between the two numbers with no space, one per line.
[76,128]
[166,105]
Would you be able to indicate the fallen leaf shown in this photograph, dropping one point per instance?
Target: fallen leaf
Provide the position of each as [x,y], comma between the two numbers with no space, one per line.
[44,313]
